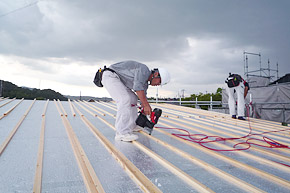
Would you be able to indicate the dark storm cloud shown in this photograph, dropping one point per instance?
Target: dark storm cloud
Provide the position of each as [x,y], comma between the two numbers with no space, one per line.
[140,28]
[156,32]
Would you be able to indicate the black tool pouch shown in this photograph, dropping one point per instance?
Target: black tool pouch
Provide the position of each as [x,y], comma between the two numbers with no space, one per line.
[231,83]
[234,80]
[99,75]
[98,78]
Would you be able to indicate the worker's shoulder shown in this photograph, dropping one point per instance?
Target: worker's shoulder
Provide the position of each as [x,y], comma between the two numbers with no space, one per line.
[130,64]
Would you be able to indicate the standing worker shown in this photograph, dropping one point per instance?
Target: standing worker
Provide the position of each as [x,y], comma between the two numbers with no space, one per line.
[122,80]
[235,83]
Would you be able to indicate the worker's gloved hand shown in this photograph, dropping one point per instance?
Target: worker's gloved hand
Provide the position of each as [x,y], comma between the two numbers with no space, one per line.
[147,109]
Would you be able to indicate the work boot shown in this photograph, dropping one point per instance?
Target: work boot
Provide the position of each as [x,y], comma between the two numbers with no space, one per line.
[234,116]
[241,118]
[126,137]
[137,129]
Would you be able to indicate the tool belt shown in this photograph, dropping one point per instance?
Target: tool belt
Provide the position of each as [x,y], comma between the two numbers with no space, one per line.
[99,75]
[233,80]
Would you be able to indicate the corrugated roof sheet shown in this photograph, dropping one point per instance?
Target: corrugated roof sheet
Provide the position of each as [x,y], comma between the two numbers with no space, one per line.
[64,146]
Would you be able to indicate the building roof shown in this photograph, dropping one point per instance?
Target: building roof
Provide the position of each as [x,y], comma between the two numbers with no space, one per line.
[69,146]
[283,79]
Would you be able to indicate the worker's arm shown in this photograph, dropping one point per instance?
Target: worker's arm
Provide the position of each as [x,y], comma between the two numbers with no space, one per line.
[246,91]
[147,108]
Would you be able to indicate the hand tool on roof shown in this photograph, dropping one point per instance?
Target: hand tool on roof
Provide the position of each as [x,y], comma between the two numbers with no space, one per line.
[143,121]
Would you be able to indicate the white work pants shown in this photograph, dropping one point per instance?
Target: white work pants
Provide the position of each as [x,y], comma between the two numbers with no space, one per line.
[125,99]
[241,101]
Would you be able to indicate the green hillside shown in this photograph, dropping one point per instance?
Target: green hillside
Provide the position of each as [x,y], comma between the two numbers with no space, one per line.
[11,90]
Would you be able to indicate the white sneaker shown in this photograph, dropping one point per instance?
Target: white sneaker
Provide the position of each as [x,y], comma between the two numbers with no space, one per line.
[126,137]
[137,128]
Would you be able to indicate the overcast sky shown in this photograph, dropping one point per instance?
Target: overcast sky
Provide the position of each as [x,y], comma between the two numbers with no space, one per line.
[59,44]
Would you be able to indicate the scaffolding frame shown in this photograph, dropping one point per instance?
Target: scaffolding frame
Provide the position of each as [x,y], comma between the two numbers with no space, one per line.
[263,72]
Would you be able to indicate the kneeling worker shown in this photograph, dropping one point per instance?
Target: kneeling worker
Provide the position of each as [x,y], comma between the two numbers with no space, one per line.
[122,80]
[235,83]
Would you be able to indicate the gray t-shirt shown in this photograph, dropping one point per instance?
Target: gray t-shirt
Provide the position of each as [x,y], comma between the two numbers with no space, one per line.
[133,74]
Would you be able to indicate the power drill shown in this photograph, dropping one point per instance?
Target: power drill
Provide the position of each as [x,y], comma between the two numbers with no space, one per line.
[142,120]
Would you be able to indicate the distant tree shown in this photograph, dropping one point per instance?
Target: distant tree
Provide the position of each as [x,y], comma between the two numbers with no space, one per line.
[205,97]
[11,90]
[218,95]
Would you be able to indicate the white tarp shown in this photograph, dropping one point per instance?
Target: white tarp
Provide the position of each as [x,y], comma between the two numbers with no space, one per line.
[255,81]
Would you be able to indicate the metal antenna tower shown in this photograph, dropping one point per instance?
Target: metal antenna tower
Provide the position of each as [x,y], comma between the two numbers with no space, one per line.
[182,93]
